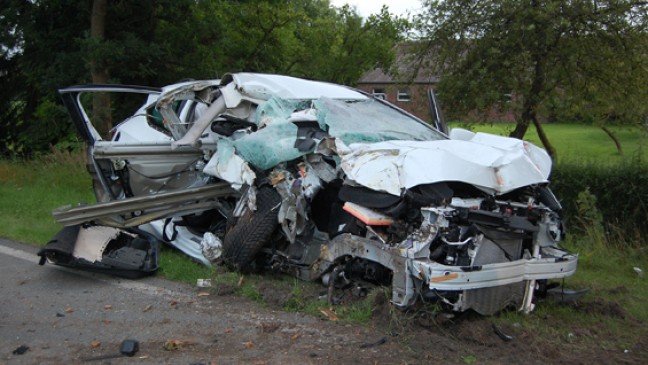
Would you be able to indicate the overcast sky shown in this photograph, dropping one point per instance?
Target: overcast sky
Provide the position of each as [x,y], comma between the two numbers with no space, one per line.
[368,7]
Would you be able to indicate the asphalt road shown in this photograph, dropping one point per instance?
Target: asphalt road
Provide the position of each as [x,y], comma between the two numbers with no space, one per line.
[65,316]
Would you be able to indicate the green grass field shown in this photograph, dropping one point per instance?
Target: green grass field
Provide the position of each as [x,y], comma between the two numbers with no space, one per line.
[579,142]
[30,190]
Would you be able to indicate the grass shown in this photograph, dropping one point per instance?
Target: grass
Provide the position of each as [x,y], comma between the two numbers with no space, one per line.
[174,265]
[577,141]
[30,190]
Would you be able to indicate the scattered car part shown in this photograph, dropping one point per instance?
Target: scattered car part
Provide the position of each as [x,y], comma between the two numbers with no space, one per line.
[563,295]
[21,350]
[128,348]
[103,249]
[502,335]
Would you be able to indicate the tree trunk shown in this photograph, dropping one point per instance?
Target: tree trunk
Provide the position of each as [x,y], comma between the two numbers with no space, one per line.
[100,101]
[544,139]
[521,125]
[531,101]
[612,135]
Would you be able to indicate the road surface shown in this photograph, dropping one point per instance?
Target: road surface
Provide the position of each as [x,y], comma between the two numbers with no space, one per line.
[65,316]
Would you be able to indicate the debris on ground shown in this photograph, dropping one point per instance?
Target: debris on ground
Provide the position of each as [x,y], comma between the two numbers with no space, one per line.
[502,335]
[20,350]
[638,271]
[175,344]
[330,313]
[204,283]
[374,344]
[127,348]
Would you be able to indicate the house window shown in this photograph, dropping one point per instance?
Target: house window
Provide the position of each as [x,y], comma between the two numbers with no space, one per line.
[379,94]
[403,95]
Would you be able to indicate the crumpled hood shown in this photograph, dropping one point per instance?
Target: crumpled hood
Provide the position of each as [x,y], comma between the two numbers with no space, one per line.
[491,163]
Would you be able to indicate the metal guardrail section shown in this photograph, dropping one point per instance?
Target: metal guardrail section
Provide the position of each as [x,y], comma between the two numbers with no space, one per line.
[109,149]
[142,208]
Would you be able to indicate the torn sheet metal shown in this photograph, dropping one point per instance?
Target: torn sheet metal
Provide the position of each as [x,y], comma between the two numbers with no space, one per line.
[227,165]
[265,86]
[493,165]
[173,232]
[293,211]
[185,91]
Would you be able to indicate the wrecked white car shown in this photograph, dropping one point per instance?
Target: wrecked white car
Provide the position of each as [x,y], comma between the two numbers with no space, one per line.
[320,181]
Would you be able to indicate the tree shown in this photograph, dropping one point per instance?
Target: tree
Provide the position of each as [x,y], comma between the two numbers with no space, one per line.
[98,69]
[305,38]
[50,44]
[349,45]
[556,58]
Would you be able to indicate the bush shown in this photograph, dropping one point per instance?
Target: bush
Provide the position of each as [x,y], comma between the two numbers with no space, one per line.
[619,193]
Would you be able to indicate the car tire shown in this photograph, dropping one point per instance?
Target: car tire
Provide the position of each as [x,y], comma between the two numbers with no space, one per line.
[251,231]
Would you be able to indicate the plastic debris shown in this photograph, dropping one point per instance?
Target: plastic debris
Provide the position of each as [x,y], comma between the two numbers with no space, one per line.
[212,247]
[502,335]
[127,348]
[638,271]
[204,283]
[20,350]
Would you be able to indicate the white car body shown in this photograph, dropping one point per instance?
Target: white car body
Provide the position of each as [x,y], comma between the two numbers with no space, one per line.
[352,184]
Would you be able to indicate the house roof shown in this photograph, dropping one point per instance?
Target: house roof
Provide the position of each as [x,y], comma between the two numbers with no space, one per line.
[408,69]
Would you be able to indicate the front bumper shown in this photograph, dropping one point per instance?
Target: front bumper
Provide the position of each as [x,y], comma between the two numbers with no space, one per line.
[449,278]
[550,263]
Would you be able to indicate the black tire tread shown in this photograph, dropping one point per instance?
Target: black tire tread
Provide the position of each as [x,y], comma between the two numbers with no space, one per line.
[251,231]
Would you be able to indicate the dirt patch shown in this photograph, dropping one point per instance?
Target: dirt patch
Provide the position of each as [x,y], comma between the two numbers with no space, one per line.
[601,307]
[426,333]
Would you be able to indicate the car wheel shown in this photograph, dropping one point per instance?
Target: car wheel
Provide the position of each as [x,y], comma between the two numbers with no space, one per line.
[251,231]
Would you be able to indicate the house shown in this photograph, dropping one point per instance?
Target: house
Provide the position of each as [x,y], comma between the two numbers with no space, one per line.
[406,86]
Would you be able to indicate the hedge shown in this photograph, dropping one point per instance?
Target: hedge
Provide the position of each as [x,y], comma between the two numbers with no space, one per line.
[621,193]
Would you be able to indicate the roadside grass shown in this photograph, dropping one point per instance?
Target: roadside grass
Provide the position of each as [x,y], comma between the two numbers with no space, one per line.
[611,316]
[175,265]
[30,190]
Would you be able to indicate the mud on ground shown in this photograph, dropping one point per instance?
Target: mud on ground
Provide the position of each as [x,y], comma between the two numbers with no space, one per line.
[426,334]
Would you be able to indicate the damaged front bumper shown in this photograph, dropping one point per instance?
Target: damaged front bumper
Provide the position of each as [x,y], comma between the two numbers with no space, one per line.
[414,276]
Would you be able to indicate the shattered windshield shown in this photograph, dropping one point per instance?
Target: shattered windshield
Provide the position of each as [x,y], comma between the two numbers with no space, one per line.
[351,121]
[370,121]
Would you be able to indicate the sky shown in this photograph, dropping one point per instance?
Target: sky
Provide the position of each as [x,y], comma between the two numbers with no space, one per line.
[368,7]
